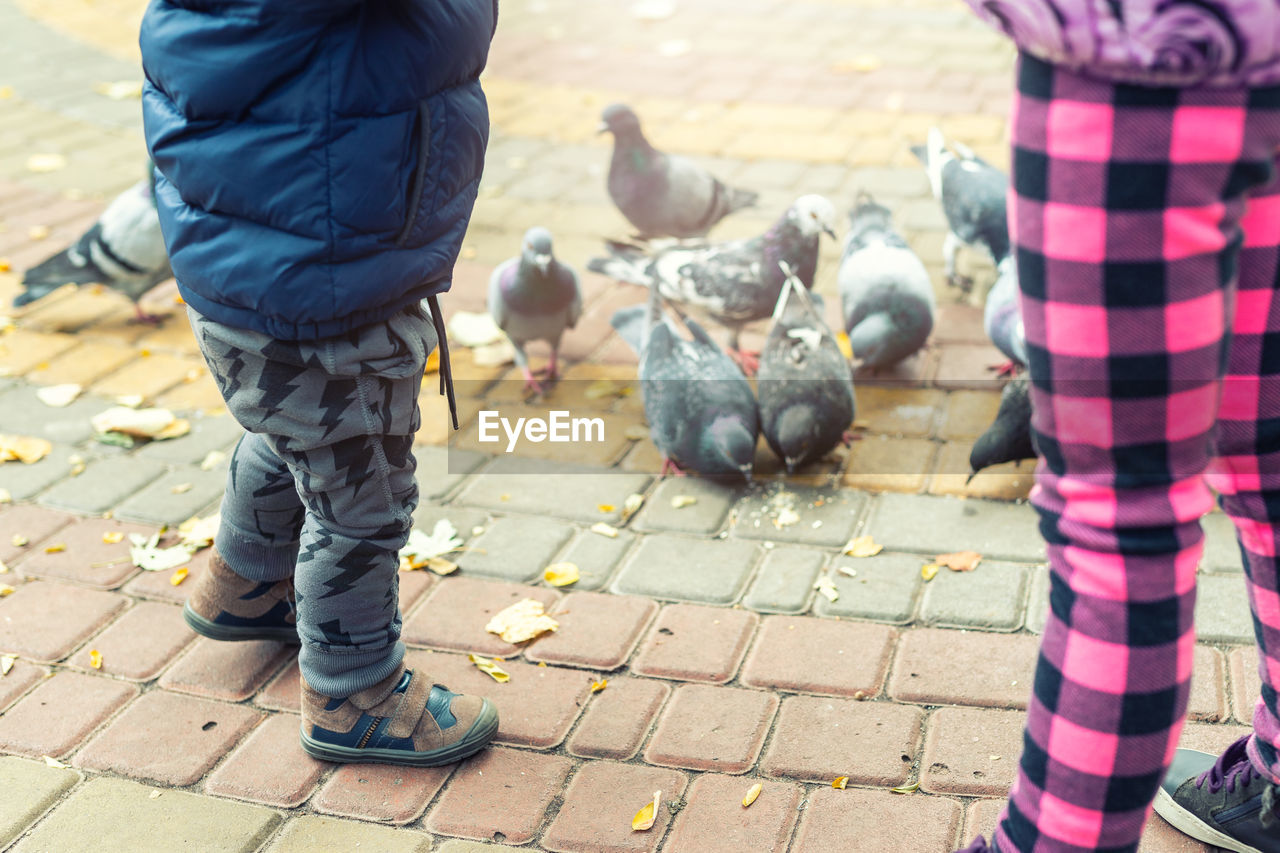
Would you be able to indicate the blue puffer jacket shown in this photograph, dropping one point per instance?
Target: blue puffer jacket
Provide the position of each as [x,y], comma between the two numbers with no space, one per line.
[318,159]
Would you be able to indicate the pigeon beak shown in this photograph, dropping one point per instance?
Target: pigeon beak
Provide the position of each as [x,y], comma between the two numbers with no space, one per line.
[543,262]
[602,127]
[830,232]
[969,479]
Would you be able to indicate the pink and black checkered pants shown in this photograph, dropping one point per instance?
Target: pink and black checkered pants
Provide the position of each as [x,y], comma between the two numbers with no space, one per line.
[1147,229]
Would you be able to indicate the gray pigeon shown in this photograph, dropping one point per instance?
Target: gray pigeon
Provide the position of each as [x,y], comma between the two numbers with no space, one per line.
[1002,317]
[123,250]
[888,302]
[535,298]
[972,192]
[805,384]
[1008,439]
[737,282]
[663,195]
[701,411]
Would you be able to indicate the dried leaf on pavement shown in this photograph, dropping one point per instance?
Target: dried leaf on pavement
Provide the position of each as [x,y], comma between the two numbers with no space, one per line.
[929,571]
[198,532]
[95,658]
[645,818]
[23,448]
[522,621]
[57,396]
[112,537]
[632,505]
[682,501]
[490,668]
[906,789]
[752,793]
[19,541]
[636,432]
[839,782]
[55,548]
[6,590]
[960,561]
[179,576]
[41,163]
[53,762]
[597,686]
[119,90]
[212,459]
[140,423]
[786,517]
[862,546]
[828,588]
[147,554]
[605,529]
[471,329]
[6,664]
[561,574]
[418,552]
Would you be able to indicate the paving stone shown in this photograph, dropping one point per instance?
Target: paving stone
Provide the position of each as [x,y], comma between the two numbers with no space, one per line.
[500,795]
[687,569]
[455,614]
[971,751]
[981,818]
[84,364]
[85,557]
[228,671]
[24,482]
[938,667]
[159,585]
[597,631]
[884,587]
[693,643]
[176,496]
[899,411]
[139,644]
[990,598]
[705,516]
[807,655]
[1212,738]
[143,824]
[997,531]
[600,803]
[1246,682]
[380,792]
[208,434]
[55,718]
[284,692]
[1160,837]
[150,375]
[270,767]
[460,846]
[785,581]
[835,512]
[882,463]
[536,708]
[22,412]
[713,817]
[1038,599]
[1011,481]
[817,739]
[618,718]
[1208,686]
[877,820]
[596,556]
[312,834]
[712,728]
[167,738]
[1221,548]
[515,549]
[20,677]
[44,621]
[104,484]
[32,523]
[30,789]
[1222,610]
[546,488]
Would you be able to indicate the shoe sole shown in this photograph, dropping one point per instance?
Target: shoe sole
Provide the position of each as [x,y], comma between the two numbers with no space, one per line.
[231,633]
[1184,820]
[482,731]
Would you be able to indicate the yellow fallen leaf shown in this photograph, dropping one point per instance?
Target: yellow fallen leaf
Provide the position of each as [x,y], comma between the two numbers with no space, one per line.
[839,782]
[112,537]
[863,64]
[23,448]
[433,362]
[542,664]
[605,529]
[960,561]
[906,789]
[179,576]
[846,348]
[56,548]
[489,668]
[53,762]
[632,505]
[19,541]
[40,163]
[6,590]
[441,566]
[561,574]
[522,621]
[862,546]
[5,266]
[606,507]
[929,571]
[752,793]
[6,664]
[646,816]
[3,568]
[95,658]
[682,501]
[597,686]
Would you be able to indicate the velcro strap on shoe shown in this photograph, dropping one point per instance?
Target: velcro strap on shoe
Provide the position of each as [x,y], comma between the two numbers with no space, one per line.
[411,708]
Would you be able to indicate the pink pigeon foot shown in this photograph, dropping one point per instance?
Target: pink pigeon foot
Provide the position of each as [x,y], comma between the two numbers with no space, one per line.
[531,384]
[848,437]
[669,467]
[141,316]
[1006,368]
[748,361]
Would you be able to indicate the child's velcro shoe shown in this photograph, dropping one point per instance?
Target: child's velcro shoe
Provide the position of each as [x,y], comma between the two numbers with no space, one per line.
[225,606]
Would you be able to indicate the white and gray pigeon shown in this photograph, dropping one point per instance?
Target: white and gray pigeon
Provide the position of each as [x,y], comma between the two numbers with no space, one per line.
[805,385]
[534,297]
[123,250]
[734,283]
[701,410]
[663,195]
[1008,439]
[885,293]
[972,193]
[1002,317]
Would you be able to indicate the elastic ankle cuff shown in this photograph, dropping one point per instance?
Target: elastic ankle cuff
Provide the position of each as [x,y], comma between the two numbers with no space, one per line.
[342,674]
[254,561]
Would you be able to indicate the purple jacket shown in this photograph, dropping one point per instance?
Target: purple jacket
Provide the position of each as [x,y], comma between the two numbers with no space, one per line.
[1148,42]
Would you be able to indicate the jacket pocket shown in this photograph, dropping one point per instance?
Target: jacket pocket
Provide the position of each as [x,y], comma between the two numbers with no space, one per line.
[419,180]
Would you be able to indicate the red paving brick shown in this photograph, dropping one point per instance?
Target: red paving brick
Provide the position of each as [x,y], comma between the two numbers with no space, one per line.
[284,692]
[811,655]
[455,613]
[859,819]
[618,718]
[499,795]
[158,585]
[940,667]
[167,738]
[712,728]
[535,708]
[381,792]
[971,751]
[54,718]
[413,585]
[597,631]
[44,621]
[1246,683]
[818,739]
[1160,837]
[1208,686]
[230,671]
[967,366]
[689,642]
[85,558]
[20,677]
[600,803]
[140,643]
[713,817]
[34,524]
[1212,739]
[980,819]
[269,767]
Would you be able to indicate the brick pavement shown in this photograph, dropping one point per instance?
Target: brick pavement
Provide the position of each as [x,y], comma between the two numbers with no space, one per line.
[724,664]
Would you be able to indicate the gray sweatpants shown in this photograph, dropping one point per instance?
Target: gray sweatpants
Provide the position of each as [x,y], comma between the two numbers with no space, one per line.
[322,487]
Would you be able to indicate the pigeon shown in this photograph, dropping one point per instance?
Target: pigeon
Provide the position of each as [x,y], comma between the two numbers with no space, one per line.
[805,383]
[1008,439]
[535,297]
[734,283]
[663,195]
[124,250]
[972,192]
[888,302]
[701,410]
[1002,318]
